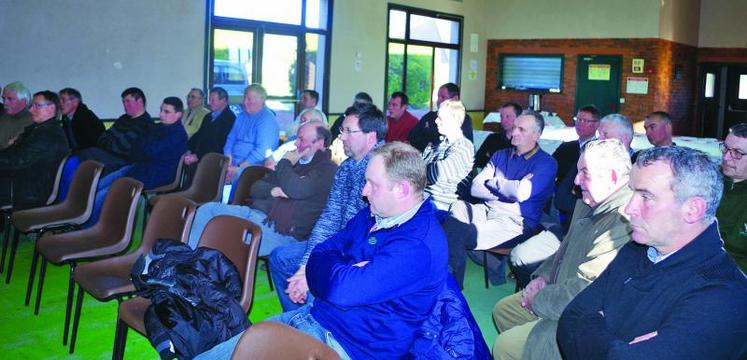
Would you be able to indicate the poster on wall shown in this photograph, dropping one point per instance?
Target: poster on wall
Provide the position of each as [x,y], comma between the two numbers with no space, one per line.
[637,85]
[599,72]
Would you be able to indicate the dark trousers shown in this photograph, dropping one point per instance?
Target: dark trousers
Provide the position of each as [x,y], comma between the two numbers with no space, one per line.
[461,237]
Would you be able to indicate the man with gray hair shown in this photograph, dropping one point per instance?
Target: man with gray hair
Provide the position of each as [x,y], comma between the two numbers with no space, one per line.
[673,292]
[16,100]
[617,126]
[371,298]
[515,185]
[527,321]
[732,213]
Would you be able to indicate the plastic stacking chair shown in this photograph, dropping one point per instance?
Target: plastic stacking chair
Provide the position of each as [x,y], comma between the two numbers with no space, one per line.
[7,210]
[224,233]
[69,214]
[271,340]
[505,249]
[110,278]
[111,235]
[248,177]
[207,184]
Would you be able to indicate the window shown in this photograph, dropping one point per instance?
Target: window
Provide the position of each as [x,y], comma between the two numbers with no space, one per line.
[423,53]
[281,44]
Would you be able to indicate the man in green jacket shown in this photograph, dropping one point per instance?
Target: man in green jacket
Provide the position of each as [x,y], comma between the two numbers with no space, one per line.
[527,321]
[732,212]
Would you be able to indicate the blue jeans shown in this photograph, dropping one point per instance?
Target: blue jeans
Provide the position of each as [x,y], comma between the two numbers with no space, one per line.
[284,262]
[270,238]
[299,319]
[103,188]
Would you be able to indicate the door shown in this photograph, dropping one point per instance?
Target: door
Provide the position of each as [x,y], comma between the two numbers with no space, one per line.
[722,98]
[598,82]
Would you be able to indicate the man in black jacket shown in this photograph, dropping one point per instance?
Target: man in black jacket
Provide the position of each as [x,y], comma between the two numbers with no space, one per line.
[211,137]
[82,127]
[425,131]
[31,162]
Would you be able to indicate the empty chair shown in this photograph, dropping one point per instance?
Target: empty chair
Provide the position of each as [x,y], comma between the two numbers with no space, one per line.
[271,340]
[110,278]
[71,213]
[109,236]
[223,233]
[207,184]
[243,188]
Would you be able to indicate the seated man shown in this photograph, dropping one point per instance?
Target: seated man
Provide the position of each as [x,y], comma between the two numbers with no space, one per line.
[732,213]
[658,125]
[119,145]
[214,129]
[82,126]
[399,121]
[515,185]
[254,134]
[498,141]
[617,126]
[527,321]
[195,111]
[425,131]
[16,100]
[155,163]
[363,128]
[376,281]
[31,163]
[286,202]
[360,97]
[309,100]
[586,123]
[304,117]
[673,292]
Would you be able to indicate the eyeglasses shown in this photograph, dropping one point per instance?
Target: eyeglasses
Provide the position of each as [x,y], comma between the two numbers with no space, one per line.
[40,105]
[348,131]
[735,153]
[577,120]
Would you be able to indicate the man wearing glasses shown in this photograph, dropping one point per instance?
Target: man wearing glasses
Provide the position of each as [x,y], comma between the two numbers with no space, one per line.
[586,122]
[732,213]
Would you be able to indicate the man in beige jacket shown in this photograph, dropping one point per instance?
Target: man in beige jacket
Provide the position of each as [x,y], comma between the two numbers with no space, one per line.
[527,321]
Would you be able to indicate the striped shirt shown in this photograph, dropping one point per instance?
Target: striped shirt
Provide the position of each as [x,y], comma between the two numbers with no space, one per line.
[447,164]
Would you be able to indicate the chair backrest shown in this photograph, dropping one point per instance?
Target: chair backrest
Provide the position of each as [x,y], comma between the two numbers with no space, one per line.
[210,175]
[244,186]
[118,212]
[177,178]
[271,340]
[171,218]
[226,234]
[82,189]
[57,179]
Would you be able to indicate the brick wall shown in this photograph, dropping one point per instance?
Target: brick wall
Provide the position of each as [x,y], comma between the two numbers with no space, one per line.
[661,56]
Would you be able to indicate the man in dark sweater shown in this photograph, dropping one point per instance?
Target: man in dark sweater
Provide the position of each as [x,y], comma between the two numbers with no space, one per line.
[672,293]
[732,213]
[118,146]
[426,132]
[82,126]
[287,202]
[211,137]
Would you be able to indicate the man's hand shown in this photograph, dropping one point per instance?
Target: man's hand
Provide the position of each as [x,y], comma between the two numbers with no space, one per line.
[270,163]
[361,264]
[278,192]
[297,286]
[230,173]
[190,159]
[528,177]
[530,291]
[292,156]
[644,337]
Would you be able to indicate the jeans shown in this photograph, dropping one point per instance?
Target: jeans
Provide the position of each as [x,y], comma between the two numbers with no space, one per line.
[284,262]
[270,238]
[299,319]
[103,188]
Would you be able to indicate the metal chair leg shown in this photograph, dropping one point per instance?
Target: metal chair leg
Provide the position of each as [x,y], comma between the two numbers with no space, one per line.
[269,276]
[13,249]
[40,286]
[32,275]
[120,340]
[69,306]
[485,268]
[76,318]
[6,241]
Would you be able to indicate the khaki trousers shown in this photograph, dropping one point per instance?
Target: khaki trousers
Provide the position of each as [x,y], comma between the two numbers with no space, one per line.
[514,324]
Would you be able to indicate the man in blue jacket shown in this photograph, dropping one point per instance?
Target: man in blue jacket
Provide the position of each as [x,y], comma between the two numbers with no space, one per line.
[672,293]
[376,280]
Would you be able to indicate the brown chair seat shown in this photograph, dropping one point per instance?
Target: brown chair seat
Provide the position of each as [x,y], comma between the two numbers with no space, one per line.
[271,340]
[207,184]
[174,185]
[224,233]
[248,177]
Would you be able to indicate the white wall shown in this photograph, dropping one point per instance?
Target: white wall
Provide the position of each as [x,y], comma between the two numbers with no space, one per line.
[723,23]
[359,26]
[571,19]
[103,47]
[678,21]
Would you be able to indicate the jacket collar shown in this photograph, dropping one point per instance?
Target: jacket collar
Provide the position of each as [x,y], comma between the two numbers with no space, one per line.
[703,247]
[614,202]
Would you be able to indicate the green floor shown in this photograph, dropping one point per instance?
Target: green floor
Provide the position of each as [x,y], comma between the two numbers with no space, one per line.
[25,336]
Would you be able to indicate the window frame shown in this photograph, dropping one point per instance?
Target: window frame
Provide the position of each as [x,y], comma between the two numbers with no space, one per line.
[259,29]
[408,41]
